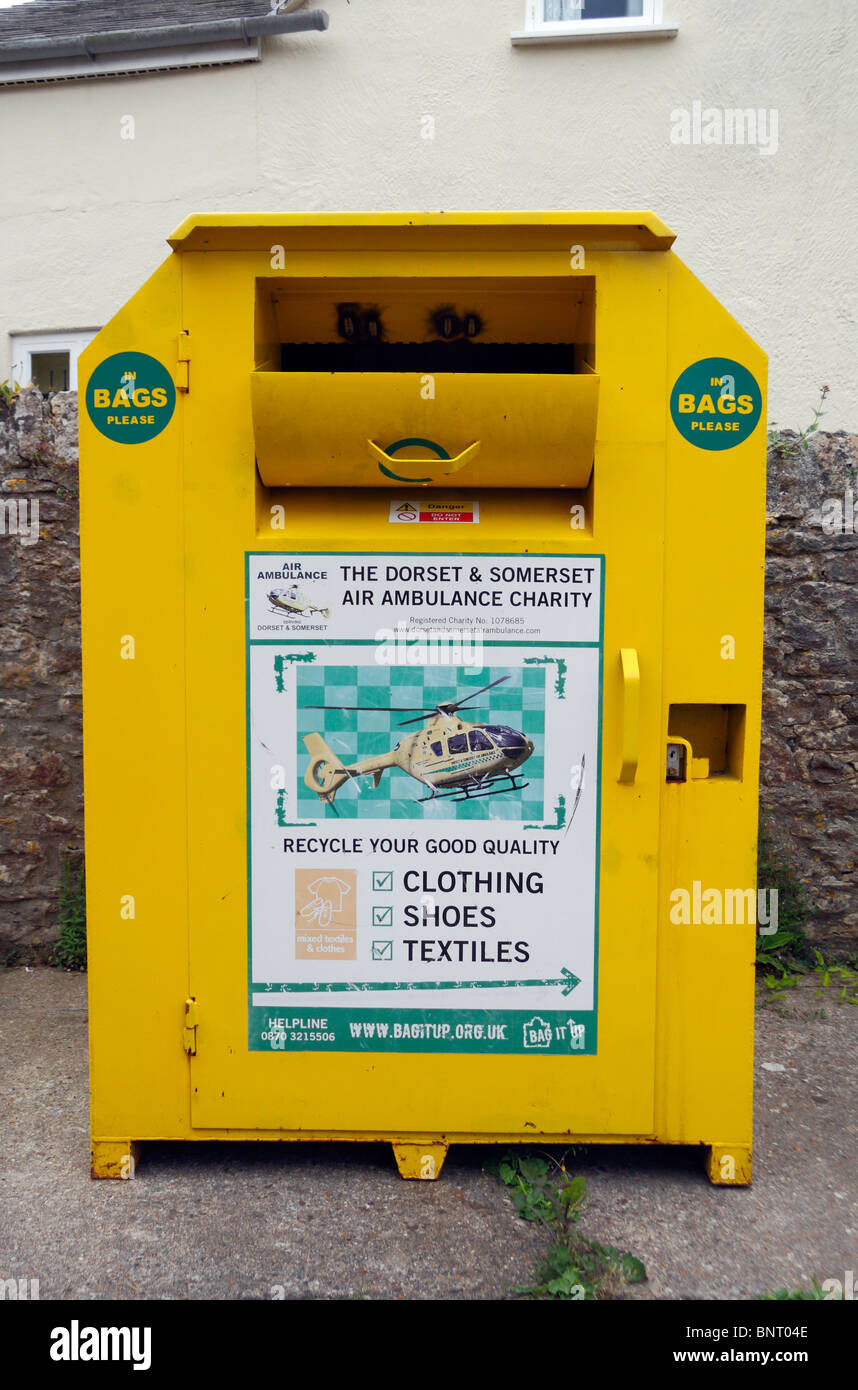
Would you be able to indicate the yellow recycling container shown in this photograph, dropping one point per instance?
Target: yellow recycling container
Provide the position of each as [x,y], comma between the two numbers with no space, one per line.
[422,564]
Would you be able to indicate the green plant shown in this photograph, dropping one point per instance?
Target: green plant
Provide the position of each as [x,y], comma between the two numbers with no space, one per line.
[832,972]
[574,1267]
[787,956]
[814,1294]
[8,391]
[70,950]
[781,445]
[789,945]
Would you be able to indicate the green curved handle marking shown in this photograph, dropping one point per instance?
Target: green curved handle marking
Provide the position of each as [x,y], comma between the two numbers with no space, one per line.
[384,457]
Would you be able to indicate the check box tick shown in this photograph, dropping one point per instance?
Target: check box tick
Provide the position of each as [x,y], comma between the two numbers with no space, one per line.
[382,880]
[382,916]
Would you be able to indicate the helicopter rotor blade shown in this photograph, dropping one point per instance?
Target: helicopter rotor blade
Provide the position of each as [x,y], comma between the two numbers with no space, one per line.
[445,707]
[382,709]
[475,693]
[449,710]
[450,706]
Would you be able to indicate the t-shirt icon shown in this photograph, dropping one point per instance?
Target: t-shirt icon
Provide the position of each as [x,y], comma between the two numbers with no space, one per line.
[326,900]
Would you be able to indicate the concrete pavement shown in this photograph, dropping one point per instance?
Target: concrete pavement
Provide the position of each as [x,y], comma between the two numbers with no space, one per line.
[245,1221]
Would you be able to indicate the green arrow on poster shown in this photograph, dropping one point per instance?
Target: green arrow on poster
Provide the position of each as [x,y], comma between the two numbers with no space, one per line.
[567,981]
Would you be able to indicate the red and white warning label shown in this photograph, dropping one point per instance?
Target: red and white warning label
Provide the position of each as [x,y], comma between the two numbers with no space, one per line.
[426,509]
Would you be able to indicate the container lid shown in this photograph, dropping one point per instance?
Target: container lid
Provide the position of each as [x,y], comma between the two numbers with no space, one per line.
[604,231]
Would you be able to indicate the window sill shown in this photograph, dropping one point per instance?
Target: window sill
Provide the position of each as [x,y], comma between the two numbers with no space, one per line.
[590,31]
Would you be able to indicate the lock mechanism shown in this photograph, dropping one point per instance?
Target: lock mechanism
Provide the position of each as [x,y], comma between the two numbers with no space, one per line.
[675,766]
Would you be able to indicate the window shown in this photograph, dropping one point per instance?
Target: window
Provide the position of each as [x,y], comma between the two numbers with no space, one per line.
[505,737]
[436,749]
[477,741]
[592,9]
[550,20]
[48,360]
[457,743]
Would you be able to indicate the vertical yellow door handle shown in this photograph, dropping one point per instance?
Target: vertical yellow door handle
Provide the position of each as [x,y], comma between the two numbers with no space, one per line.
[631,713]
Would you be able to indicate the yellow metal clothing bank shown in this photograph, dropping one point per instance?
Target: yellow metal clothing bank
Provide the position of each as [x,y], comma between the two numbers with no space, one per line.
[422,616]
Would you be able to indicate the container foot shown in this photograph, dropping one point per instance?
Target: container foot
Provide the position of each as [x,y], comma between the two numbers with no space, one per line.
[114,1158]
[422,1161]
[729,1165]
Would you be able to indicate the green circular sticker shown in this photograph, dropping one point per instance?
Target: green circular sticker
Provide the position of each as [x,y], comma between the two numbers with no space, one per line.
[130,397]
[716,403]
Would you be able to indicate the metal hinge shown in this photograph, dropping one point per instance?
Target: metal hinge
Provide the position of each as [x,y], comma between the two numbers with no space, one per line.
[183,358]
[189,1032]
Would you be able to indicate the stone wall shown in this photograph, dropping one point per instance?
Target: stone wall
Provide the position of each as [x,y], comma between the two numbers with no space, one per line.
[810,737]
[41,776]
[809,769]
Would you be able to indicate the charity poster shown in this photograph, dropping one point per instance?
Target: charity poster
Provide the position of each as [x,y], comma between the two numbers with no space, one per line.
[423,769]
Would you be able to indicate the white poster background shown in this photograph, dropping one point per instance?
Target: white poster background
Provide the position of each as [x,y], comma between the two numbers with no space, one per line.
[557,924]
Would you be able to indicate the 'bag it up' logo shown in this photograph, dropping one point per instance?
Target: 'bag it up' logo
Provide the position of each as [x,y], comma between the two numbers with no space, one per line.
[716,403]
[130,397]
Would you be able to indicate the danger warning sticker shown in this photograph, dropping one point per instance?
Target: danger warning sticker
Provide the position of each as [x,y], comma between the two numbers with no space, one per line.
[428,510]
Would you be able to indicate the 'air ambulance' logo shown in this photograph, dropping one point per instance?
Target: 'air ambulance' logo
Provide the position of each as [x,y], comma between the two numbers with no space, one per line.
[130,397]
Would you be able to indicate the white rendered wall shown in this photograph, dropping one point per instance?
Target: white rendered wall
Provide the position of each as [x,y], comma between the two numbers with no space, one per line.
[335,121]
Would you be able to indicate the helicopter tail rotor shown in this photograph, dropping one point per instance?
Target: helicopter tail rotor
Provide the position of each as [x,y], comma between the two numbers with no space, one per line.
[325,773]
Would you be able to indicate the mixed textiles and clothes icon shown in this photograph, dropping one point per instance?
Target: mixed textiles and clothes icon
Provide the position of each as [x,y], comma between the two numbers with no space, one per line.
[325,914]
[328,893]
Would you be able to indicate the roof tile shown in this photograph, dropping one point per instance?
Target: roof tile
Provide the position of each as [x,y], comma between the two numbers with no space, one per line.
[54,19]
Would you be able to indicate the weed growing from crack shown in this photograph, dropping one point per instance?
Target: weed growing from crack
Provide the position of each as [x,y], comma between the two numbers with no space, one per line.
[782,446]
[788,956]
[70,950]
[814,1294]
[574,1268]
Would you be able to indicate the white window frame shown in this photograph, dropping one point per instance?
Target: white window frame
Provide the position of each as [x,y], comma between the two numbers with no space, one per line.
[649,25]
[25,345]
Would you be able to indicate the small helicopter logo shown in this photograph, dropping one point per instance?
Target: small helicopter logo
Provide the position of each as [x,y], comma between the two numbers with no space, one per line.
[292,601]
[450,756]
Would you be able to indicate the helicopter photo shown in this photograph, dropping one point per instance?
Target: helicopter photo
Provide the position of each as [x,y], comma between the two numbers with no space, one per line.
[450,755]
[294,602]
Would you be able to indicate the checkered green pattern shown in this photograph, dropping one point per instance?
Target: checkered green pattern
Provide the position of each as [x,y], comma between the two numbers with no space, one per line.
[519,703]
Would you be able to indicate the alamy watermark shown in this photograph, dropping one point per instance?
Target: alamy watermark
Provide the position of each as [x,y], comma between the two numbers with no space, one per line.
[719,125]
[407,646]
[715,907]
[76,1343]
[840,517]
[840,1290]
[19,516]
[19,1290]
